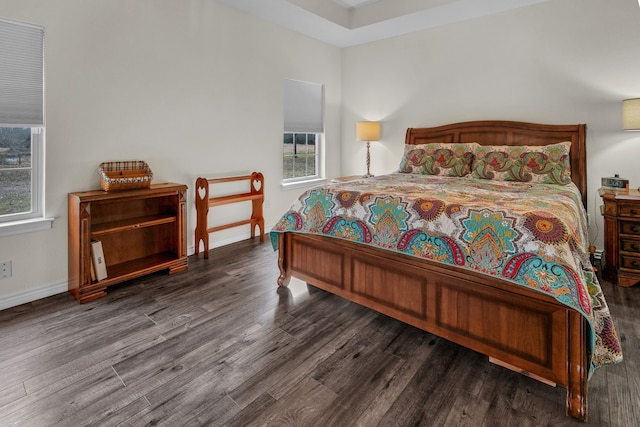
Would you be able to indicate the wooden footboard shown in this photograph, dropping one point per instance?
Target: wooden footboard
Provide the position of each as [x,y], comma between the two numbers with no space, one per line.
[519,327]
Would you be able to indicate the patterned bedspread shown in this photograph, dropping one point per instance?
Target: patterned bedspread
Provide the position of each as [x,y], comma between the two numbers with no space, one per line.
[534,235]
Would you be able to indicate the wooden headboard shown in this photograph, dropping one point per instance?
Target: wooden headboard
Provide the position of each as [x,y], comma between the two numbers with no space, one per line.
[494,132]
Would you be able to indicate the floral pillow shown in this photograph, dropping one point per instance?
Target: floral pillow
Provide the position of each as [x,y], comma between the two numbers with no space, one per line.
[444,159]
[549,164]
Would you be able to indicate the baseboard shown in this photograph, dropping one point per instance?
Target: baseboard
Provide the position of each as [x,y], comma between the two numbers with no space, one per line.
[32,295]
[216,243]
[58,288]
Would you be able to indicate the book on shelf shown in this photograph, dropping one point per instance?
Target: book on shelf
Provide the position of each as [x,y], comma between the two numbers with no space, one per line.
[97,260]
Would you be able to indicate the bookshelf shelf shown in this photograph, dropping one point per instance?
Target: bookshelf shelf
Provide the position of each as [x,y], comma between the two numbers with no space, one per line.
[130,224]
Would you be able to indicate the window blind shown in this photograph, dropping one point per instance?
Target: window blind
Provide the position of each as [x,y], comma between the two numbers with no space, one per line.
[303,105]
[21,74]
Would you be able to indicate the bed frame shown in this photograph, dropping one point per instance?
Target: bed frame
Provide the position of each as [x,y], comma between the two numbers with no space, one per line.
[516,327]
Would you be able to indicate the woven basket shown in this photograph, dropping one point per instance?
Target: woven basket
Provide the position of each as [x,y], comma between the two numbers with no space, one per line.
[126,175]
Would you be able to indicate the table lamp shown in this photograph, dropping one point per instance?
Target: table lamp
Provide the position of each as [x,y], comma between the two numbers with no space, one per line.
[368,131]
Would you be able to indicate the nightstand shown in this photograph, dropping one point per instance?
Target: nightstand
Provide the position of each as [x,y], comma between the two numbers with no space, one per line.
[621,235]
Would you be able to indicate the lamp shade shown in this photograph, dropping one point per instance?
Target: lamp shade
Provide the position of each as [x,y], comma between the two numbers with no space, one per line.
[631,114]
[368,131]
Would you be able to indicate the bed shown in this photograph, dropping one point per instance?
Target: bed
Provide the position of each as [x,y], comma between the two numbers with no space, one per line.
[412,245]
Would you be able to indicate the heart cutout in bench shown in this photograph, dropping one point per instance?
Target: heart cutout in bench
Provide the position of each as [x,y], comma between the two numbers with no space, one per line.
[202,193]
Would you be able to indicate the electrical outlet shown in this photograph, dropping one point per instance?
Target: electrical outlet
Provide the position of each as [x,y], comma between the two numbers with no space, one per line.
[5,269]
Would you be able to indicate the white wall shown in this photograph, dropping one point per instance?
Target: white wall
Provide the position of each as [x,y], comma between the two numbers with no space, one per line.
[191,86]
[561,61]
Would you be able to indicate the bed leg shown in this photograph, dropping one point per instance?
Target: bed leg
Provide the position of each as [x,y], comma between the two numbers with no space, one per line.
[578,368]
[283,280]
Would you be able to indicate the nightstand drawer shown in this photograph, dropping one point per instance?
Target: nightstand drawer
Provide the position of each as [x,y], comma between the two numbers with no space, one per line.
[628,210]
[628,227]
[629,245]
[630,262]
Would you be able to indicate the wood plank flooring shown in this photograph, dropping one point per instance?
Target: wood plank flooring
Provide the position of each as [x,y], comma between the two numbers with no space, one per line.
[222,345]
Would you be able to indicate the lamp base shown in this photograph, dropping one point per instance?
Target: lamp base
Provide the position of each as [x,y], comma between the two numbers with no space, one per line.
[368,174]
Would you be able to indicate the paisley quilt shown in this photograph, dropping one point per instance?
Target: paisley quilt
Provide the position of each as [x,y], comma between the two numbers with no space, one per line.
[531,234]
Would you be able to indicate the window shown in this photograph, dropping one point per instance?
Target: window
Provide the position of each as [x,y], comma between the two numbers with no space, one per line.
[303,131]
[301,156]
[21,127]
[17,173]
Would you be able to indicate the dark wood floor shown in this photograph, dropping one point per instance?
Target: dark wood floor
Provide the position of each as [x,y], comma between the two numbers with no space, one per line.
[220,344]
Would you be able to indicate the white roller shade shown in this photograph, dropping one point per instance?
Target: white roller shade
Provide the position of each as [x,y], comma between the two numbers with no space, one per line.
[303,105]
[21,74]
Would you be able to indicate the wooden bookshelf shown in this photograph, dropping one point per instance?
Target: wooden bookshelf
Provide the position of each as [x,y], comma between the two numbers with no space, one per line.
[142,231]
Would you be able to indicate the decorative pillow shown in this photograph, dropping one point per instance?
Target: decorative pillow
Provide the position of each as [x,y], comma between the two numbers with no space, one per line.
[445,159]
[549,164]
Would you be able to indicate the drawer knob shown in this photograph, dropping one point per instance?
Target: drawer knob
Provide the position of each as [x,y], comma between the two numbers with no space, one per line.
[635,229]
[635,247]
[635,264]
[634,212]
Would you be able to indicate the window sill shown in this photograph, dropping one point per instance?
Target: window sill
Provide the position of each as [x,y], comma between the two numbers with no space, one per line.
[302,184]
[25,226]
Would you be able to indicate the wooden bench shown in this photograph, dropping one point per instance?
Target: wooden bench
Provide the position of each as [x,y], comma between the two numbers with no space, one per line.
[204,202]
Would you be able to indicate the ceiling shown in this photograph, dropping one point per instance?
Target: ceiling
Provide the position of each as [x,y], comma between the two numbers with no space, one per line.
[346,23]
[354,3]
